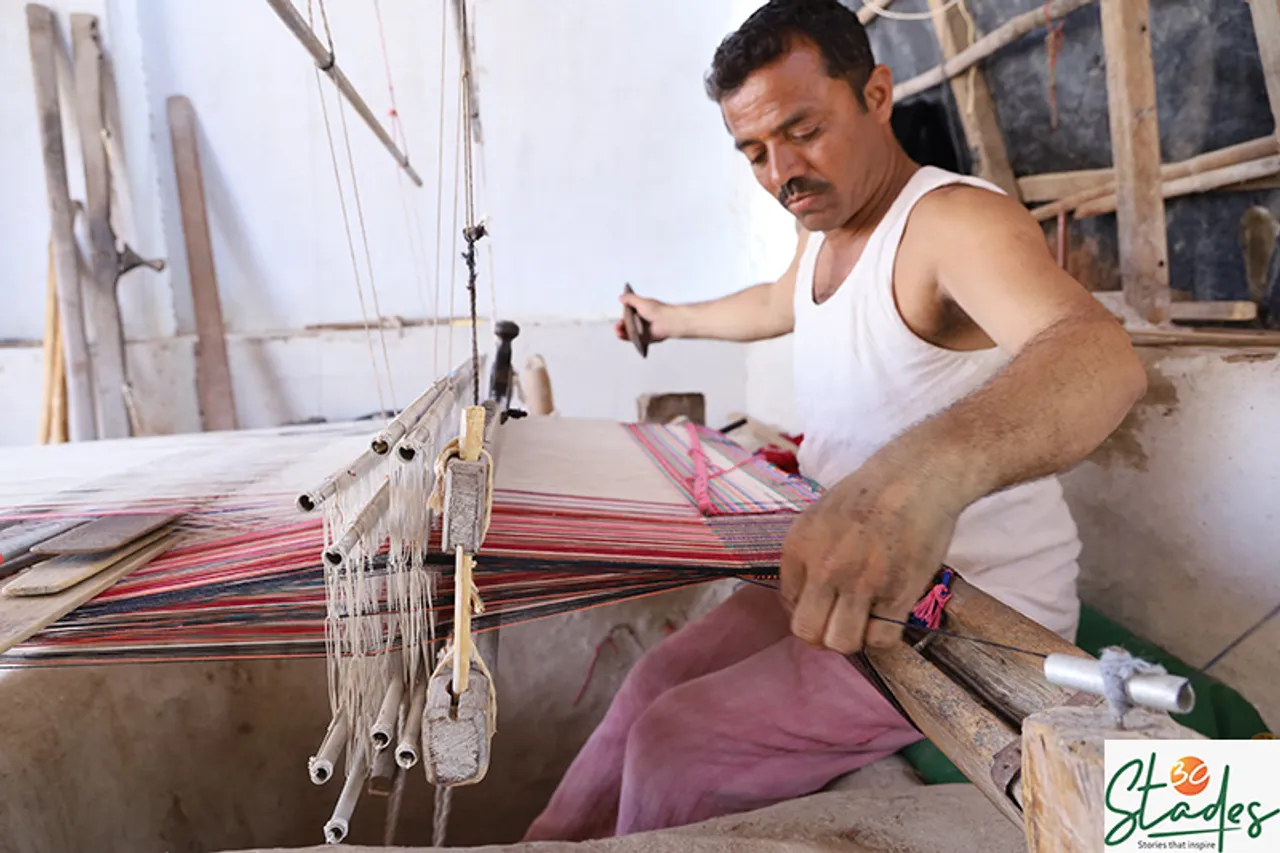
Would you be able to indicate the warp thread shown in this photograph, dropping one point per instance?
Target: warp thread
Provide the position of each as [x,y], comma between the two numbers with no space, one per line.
[1117,666]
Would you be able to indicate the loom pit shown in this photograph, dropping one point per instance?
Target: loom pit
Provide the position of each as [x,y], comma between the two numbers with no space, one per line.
[193,757]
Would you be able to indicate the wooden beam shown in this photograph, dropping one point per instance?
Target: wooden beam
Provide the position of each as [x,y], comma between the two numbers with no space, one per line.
[42,29]
[1105,184]
[1063,783]
[1198,183]
[214,389]
[1183,311]
[1135,147]
[1266,28]
[1007,33]
[102,309]
[974,103]
[1052,186]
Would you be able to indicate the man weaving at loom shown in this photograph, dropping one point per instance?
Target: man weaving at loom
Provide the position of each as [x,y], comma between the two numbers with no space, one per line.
[945,370]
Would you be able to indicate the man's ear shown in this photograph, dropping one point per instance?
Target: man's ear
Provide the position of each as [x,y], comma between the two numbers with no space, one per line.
[878,93]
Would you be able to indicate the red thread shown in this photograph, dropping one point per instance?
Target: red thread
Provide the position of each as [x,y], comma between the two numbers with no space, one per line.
[600,646]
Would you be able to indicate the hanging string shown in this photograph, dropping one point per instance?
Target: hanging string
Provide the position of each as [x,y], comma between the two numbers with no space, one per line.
[342,203]
[444,24]
[1053,44]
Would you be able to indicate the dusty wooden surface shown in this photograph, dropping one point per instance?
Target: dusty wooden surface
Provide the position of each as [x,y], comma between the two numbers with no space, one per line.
[1063,785]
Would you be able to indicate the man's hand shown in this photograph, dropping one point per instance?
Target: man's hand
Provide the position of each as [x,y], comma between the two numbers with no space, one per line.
[657,313]
[871,544]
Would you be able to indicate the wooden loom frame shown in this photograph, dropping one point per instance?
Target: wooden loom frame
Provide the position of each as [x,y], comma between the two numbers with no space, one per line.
[1136,186]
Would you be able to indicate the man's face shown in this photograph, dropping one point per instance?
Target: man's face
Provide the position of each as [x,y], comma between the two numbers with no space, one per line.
[811,144]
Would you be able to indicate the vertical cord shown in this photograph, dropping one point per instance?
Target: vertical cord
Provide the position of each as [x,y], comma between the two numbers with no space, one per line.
[471,233]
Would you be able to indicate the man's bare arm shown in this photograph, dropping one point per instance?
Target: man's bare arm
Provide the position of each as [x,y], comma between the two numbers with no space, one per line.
[757,313]
[1074,374]
[874,540]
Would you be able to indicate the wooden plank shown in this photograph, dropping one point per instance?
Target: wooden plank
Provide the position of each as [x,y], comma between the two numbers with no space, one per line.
[60,573]
[213,372]
[104,534]
[1052,186]
[102,309]
[1010,682]
[1266,28]
[973,99]
[1005,34]
[1265,341]
[44,41]
[23,618]
[1135,147]
[1063,783]
[1225,311]
[1191,184]
[17,539]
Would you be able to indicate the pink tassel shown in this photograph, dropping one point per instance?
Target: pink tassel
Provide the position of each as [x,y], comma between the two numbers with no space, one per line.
[928,612]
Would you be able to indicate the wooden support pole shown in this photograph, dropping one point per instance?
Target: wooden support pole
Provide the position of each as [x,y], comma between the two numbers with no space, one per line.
[42,29]
[869,12]
[974,103]
[102,309]
[1007,33]
[1266,28]
[1063,783]
[214,389]
[1135,146]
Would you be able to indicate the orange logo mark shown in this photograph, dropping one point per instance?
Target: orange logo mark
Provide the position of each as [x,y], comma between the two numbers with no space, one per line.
[1189,776]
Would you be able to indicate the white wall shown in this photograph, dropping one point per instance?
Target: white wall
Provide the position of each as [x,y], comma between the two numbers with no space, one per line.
[603,163]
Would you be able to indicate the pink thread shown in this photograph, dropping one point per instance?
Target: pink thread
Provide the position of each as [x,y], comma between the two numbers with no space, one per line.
[929,610]
[701,476]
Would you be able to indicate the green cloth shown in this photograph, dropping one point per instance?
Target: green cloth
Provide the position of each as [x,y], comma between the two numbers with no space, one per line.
[1220,713]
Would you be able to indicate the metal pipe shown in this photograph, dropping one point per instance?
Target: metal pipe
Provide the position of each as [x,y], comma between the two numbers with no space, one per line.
[1170,693]
[324,59]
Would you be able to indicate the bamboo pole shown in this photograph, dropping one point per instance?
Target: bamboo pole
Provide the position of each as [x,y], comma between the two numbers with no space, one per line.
[1207,162]
[1007,33]
[50,344]
[325,60]
[1195,183]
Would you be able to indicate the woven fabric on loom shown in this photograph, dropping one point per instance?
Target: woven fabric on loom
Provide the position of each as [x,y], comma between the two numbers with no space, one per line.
[620,522]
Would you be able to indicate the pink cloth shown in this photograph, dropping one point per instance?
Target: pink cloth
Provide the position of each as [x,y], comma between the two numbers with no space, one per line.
[729,714]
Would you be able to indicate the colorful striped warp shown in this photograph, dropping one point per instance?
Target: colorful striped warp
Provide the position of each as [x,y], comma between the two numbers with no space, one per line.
[585,513]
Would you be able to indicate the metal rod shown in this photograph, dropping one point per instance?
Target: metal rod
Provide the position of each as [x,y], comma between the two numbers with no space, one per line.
[324,59]
[1170,693]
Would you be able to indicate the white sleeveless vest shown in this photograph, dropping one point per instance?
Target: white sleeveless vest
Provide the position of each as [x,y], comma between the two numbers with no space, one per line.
[863,377]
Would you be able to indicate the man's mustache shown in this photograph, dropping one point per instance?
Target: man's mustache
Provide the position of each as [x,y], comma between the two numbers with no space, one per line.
[801,186]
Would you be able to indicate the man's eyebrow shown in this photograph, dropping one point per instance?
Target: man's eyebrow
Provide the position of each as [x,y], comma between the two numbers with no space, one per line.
[790,122]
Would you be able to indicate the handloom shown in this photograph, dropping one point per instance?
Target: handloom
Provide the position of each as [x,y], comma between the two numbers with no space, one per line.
[390,549]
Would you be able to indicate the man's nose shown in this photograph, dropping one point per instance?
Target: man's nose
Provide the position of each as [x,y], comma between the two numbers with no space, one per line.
[784,165]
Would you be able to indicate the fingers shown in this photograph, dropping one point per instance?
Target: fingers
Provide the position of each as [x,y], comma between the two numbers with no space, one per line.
[790,577]
[812,609]
[848,623]
[620,329]
[882,634]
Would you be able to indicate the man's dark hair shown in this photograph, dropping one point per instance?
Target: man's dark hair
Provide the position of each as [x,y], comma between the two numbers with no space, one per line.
[773,29]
